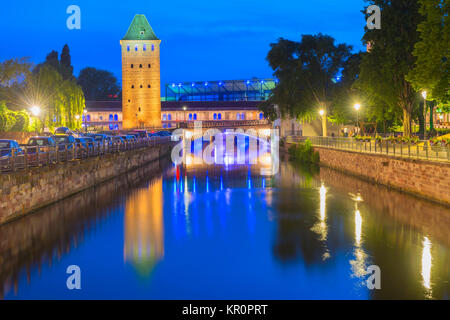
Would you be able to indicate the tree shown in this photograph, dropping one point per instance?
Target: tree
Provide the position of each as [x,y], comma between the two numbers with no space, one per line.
[431,70]
[60,100]
[306,71]
[98,84]
[65,67]
[385,66]
[13,71]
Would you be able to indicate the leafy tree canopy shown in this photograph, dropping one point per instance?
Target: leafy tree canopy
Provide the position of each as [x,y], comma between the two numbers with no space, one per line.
[98,84]
[307,72]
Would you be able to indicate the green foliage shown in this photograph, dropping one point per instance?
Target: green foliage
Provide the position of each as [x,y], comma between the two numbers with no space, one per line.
[13,71]
[306,72]
[385,66]
[431,70]
[12,120]
[98,84]
[304,153]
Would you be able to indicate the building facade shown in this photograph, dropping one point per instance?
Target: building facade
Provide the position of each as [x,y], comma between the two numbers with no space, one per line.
[141,80]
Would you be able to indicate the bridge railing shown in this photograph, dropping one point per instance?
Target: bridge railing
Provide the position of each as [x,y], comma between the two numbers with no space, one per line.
[417,150]
[13,159]
[228,123]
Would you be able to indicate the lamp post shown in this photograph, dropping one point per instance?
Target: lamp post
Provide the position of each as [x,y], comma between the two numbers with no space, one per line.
[85,124]
[323,114]
[184,109]
[357,106]
[36,111]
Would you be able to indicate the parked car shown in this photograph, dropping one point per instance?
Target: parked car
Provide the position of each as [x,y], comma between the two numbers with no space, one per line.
[128,137]
[37,147]
[63,141]
[99,138]
[8,149]
[141,133]
[164,134]
[64,130]
[117,139]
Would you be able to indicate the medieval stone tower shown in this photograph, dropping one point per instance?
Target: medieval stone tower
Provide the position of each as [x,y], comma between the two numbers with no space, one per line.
[141,86]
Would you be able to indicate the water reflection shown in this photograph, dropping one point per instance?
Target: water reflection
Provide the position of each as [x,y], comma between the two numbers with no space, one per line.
[229,232]
[144,228]
[426,266]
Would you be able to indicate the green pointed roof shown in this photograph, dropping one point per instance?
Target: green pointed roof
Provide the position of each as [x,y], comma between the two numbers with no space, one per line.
[140,29]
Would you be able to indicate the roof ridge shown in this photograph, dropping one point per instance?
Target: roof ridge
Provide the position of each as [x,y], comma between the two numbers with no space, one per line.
[140,29]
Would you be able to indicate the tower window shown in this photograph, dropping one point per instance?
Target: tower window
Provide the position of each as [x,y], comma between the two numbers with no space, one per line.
[140,66]
[153,47]
[149,65]
[149,86]
[129,100]
[132,66]
[164,117]
[128,48]
[116,118]
[136,48]
[140,86]
[132,86]
[145,46]
[139,109]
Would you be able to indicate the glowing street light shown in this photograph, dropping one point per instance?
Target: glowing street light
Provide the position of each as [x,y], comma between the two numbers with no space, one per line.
[323,114]
[35,110]
[77,117]
[357,106]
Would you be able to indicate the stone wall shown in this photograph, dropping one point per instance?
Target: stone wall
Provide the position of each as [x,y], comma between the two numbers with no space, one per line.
[423,178]
[28,190]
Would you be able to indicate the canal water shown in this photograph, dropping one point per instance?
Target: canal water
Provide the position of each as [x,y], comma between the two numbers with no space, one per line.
[226,231]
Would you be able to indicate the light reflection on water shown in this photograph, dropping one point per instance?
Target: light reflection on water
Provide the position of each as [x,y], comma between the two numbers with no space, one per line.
[226,232]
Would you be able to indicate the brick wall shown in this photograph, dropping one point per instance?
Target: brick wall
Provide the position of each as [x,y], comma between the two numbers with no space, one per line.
[424,178]
[24,191]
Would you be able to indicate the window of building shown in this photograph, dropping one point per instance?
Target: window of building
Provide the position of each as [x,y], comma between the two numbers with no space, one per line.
[190,116]
[140,86]
[88,118]
[149,86]
[128,48]
[215,116]
[219,116]
[101,118]
[132,86]
[261,116]
[144,47]
[238,116]
[170,116]
[111,117]
[149,65]
[153,47]
[136,48]
[195,116]
[132,66]
[116,118]
[129,100]
[242,116]
[169,125]
[164,117]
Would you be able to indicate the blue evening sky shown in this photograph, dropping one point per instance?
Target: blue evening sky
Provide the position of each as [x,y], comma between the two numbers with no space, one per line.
[201,40]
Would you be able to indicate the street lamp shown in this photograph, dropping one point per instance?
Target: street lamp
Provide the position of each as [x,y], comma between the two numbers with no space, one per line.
[184,108]
[323,114]
[85,125]
[357,106]
[35,111]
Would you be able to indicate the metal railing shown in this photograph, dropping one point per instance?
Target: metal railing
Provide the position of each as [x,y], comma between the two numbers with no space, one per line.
[420,150]
[13,159]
